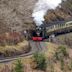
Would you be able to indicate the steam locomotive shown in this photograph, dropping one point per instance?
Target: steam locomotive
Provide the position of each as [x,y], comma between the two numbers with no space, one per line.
[39,33]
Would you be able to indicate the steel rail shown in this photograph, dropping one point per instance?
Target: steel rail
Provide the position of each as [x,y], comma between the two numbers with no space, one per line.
[36,48]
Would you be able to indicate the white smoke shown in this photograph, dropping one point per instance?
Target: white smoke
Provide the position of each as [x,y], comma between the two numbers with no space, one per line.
[41,7]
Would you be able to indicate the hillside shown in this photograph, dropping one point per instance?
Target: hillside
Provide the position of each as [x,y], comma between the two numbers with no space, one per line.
[15,15]
[62,13]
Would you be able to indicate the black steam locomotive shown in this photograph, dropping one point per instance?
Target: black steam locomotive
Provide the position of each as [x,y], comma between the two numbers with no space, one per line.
[39,33]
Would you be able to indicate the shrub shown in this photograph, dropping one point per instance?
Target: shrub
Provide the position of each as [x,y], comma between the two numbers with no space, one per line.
[18,66]
[40,60]
[63,50]
[50,65]
[70,65]
[62,64]
[61,53]
[10,38]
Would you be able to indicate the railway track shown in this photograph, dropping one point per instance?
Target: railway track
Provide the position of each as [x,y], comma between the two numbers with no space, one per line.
[41,46]
[8,59]
[36,47]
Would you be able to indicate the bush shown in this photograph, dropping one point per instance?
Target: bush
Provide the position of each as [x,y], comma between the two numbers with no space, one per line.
[62,64]
[70,65]
[40,60]
[63,50]
[18,66]
[61,53]
[50,65]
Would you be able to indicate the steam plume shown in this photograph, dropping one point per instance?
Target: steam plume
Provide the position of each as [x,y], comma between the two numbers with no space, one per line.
[41,7]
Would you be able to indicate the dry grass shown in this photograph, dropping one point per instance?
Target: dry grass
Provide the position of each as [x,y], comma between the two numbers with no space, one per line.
[13,50]
[65,39]
[62,37]
[51,48]
[27,61]
[16,47]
